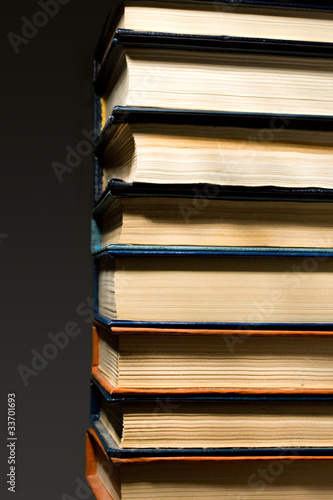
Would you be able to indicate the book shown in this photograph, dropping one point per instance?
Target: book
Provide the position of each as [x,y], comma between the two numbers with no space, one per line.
[232,287]
[303,20]
[190,425]
[280,476]
[199,221]
[216,148]
[144,362]
[160,72]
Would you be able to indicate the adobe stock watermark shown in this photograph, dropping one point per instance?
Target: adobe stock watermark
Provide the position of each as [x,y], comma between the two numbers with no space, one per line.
[275,468]
[31,27]
[164,406]
[267,474]
[203,195]
[75,156]
[226,8]
[56,343]
[3,236]
[81,492]
[264,476]
[293,279]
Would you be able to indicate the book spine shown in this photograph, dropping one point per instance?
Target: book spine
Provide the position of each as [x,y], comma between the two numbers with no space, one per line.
[93,445]
[98,116]
[98,179]
[95,281]
[109,29]
[98,171]
[95,403]
[96,236]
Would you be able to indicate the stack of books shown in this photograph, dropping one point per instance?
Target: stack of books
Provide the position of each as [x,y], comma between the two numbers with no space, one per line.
[212,237]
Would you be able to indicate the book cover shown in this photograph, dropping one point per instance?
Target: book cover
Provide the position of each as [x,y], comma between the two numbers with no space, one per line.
[229,347]
[103,472]
[118,255]
[172,404]
[145,40]
[117,11]
[250,127]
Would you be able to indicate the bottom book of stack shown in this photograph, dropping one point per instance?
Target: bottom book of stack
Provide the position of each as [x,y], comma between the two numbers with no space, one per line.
[222,446]
[279,476]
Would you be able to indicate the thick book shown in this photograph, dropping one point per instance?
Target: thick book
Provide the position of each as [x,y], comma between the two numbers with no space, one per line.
[277,477]
[143,362]
[240,75]
[209,287]
[189,425]
[237,154]
[305,20]
[224,149]
[201,221]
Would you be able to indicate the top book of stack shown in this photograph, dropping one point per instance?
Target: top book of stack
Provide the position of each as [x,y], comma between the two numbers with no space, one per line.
[257,57]
[304,20]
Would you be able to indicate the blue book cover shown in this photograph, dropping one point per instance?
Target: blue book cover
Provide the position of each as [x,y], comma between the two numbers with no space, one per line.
[173,405]
[295,269]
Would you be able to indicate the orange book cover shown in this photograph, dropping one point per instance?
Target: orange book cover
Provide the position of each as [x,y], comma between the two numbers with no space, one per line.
[115,332]
[94,447]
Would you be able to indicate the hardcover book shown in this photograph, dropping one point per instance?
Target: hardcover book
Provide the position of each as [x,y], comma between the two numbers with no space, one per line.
[143,362]
[301,21]
[239,75]
[192,425]
[230,287]
[167,220]
[225,149]
[277,477]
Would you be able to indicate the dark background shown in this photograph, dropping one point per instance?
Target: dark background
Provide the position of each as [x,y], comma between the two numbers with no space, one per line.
[46,268]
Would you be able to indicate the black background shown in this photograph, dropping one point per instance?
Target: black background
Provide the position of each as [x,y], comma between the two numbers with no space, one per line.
[46,268]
